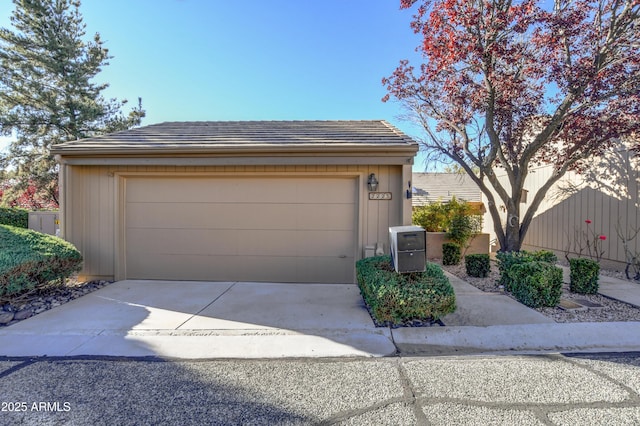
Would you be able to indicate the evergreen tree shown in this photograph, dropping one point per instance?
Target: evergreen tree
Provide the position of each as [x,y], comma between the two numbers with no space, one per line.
[47,93]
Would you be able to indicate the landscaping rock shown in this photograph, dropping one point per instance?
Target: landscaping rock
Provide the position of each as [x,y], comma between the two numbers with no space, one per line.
[608,310]
[6,317]
[23,314]
[48,298]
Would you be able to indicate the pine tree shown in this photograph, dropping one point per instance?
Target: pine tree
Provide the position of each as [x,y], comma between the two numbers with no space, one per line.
[47,93]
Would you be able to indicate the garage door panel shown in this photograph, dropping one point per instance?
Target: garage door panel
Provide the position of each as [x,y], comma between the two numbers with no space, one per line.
[267,268]
[323,191]
[240,216]
[181,215]
[325,216]
[324,243]
[264,216]
[172,267]
[174,189]
[250,229]
[295,243]
[326,270]
[182,241]
[266,243]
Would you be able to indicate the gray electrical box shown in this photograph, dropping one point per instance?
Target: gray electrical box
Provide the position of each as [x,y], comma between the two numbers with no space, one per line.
[45,222]
[408,248]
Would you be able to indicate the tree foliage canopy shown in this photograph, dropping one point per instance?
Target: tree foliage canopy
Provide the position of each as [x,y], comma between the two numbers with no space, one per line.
[512,85]
[47,90]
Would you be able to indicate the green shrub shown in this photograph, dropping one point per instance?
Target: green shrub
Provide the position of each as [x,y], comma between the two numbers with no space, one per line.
[437,216]
[584,275]
[14,217]
[29,259]
[451,254]
[433,217]
[477,265]
[536,284]
[394,299]
[506,260]
[461,230]
[544,256]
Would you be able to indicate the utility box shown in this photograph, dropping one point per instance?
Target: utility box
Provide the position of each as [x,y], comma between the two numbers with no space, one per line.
[45,222]
[408,248]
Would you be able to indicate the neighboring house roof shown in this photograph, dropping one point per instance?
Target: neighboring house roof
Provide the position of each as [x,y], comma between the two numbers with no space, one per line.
[204,137]
[430,187]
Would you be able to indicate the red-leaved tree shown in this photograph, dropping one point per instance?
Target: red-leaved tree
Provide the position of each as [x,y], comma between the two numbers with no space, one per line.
[505,86]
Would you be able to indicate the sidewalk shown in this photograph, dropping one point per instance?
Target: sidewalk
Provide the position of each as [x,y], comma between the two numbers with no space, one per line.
[494,323]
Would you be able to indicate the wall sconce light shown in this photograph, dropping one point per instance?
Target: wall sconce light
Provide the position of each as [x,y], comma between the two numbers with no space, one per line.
[372,182]
[409,194]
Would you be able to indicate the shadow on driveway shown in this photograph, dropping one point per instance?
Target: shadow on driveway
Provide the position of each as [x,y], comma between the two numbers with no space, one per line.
[204,320]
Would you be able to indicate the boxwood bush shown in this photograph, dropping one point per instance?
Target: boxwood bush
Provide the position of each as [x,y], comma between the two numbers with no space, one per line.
[14,217]
[451,254]
[394,299]
[506,260]
[536,283]
[29,259]
[584,274]
[477,265]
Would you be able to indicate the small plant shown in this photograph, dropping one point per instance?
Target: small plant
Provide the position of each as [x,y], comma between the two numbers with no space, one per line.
[632,256]
[461,230]
[536,284]
[451,254]
[477,265]
[394,299]
[584,275]
[588,242]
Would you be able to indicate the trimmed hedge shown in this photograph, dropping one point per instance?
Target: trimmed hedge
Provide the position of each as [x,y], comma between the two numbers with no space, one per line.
[451,254]
[477,265]
[393,299]
[29,259]
[506,260]
[14,217]
[584,275]
[536,283]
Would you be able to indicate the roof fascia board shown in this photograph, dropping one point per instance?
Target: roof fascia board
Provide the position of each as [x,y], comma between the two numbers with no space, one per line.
[235,160]
[192,149]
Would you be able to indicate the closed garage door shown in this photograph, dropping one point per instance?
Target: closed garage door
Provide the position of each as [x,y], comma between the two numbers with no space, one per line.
[241,229]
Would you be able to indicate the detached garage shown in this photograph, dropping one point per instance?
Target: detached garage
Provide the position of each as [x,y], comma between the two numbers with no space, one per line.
[296,201]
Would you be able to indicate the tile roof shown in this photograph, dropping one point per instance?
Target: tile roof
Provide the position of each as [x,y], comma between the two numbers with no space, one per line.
[219,134]
[430,187]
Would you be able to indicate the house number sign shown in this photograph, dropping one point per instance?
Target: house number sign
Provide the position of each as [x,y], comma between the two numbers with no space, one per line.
[379,195]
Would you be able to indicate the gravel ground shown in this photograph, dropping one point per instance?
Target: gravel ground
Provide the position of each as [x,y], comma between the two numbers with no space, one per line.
[15,309]
[611,310]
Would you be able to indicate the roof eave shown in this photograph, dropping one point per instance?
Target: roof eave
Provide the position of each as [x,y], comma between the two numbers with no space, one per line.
[260,149]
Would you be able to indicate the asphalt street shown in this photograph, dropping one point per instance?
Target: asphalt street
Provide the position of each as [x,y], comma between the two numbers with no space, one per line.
[556,389]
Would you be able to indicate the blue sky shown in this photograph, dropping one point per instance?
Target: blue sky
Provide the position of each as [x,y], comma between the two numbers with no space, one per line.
[252,60]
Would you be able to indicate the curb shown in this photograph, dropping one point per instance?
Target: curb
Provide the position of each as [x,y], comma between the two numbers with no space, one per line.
[566,337]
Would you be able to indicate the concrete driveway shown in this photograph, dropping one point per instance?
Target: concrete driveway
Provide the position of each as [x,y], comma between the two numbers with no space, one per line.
[204,320]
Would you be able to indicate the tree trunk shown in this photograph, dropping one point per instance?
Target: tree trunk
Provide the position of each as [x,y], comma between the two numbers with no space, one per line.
[512,241]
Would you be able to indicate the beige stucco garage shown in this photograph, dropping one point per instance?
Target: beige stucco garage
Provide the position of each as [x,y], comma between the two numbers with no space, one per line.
[271,201]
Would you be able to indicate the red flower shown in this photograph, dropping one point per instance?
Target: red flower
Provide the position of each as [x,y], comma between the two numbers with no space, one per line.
[587,221]
[603,237]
